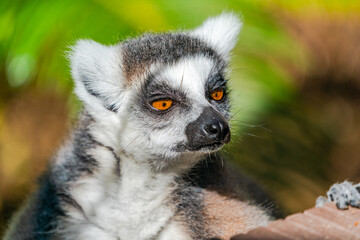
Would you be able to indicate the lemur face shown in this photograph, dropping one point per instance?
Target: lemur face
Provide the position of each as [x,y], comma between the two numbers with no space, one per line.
[167,91]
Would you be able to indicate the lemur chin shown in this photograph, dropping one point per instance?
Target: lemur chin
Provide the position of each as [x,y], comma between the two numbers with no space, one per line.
[142,161]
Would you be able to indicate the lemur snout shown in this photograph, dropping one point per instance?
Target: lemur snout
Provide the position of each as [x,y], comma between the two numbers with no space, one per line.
[209,131]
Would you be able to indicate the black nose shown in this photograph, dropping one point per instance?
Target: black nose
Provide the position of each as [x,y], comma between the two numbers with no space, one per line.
[217,130]
[209,130]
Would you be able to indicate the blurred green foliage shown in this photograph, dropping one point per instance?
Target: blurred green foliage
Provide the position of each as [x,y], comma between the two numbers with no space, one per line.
[281,135]
[37,34]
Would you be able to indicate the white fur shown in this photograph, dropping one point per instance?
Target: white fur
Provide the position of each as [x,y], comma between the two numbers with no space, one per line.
[220,32]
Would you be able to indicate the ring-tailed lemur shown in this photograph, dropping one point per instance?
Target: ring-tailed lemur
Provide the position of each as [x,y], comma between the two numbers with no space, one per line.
[142,162]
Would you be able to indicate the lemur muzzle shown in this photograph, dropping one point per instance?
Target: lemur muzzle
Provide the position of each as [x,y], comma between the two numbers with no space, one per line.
[210,129]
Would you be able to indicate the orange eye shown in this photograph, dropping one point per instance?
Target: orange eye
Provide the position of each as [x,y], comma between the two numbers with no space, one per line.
[217,94]
[162,104]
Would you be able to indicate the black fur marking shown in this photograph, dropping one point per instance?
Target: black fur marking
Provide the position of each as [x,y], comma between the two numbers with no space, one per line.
[84,141]
[48,209]
[40,217]
[168,48]
[66,198]
[189,202]
[78,161]
[217,76]
[117,158]
[216,174]
[112,108]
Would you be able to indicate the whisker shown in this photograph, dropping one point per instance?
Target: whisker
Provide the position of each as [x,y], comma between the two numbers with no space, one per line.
[235,113]
[262,126]
[253,135]
[132,142]
[182,77]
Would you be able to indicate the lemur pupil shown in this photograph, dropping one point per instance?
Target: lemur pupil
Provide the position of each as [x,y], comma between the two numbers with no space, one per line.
[164,104]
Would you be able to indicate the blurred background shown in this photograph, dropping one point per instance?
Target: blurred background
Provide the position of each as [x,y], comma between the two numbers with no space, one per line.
[295,82]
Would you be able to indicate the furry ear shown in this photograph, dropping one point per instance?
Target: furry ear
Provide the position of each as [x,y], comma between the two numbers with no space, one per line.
[96,70]
[220,32]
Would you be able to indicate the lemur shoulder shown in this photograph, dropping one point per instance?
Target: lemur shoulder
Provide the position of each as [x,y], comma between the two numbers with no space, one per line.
[142,162]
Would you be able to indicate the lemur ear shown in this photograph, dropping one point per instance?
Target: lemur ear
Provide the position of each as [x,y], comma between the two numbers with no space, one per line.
[97,73]
[220,32]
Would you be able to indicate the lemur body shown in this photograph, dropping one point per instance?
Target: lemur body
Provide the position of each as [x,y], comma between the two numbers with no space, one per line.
[142,162]
[132,171]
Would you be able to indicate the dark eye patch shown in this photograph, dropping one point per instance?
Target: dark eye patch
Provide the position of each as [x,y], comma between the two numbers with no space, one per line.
[216,77]
[155,89]
[216,81]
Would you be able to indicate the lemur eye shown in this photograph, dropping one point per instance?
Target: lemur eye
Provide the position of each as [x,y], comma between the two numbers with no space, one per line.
[217,94]
[162,104]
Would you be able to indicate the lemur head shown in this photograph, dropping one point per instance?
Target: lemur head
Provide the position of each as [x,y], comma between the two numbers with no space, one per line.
[164,96]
